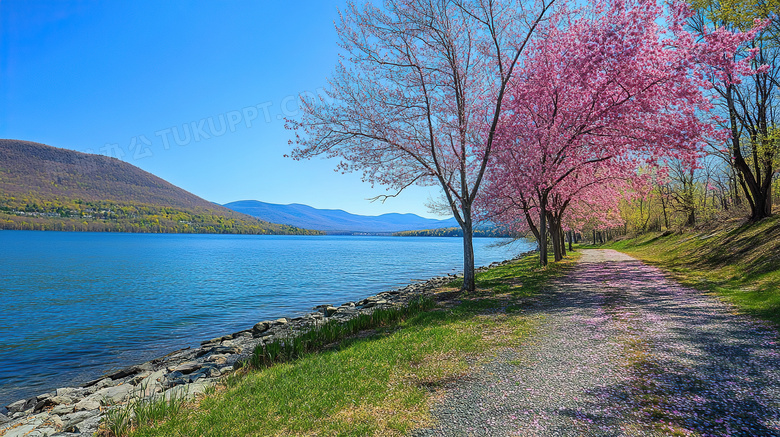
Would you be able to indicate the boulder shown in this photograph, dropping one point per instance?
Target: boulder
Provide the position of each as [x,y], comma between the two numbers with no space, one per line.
[68,391]
[113,395]
[150,385]
[62,409]
[217,358]
[187,368]
[86,404]
[23,430]
[88,426]
[261,327]
[329,311]
[176,378]
[70,421]
[52,401]
[22,405]
[139,377]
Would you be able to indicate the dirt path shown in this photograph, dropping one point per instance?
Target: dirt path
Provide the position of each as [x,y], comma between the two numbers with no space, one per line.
[623,351]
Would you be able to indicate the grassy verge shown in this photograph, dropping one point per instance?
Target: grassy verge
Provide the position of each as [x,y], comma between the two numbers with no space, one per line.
[739,263]
[378,381]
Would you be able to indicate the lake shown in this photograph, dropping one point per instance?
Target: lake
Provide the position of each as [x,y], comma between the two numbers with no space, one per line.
[76,305]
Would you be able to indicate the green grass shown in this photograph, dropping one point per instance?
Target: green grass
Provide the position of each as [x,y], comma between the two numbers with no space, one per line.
[376,381]
[739,263]
[521,278]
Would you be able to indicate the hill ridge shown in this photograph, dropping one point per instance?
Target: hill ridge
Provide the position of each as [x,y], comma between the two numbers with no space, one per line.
[49,188]
[336,220]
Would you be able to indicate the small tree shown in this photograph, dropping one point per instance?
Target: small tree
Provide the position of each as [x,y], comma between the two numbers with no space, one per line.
[417,98]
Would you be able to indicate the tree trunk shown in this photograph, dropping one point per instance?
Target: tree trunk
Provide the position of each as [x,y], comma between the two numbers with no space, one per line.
[543,229]
[552,224]
[542,237]
[563,239]
[755,190]
[570,238]
[469,283]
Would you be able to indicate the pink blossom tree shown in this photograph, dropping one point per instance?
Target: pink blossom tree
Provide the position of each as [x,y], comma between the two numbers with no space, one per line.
[601,94]
[418,96]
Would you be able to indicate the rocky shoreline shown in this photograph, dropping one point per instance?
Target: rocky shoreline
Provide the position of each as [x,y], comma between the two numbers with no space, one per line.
[186,373]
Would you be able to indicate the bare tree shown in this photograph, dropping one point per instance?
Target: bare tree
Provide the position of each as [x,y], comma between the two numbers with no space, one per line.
[417,97]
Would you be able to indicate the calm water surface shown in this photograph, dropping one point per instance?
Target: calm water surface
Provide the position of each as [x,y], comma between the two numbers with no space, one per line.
[76,305]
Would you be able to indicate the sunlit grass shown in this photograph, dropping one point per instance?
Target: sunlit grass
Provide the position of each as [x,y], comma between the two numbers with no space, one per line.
[740,264]
[382,381]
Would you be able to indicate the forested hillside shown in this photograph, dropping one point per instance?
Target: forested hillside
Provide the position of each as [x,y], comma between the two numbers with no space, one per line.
[47,188]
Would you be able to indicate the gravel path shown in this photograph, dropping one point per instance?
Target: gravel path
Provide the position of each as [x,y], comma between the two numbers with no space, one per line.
[622,351]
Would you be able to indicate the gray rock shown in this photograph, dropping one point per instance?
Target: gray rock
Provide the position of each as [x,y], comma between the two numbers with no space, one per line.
[20,431]
[242,335]
[150,385]
[281,321]
[52,401]
[209,371]
[26,426]
[68,391]
[45,395]
[45,432]
[54,421]
[113,395]
[4,419]
[63,409]
[22,405]
[329,310]
[210,342]
[217,358]
[88,426]
[135,380]
[225,350]
[187,368]
[176,378]
[103,383]
[70,421]
[86,404]
[260,327]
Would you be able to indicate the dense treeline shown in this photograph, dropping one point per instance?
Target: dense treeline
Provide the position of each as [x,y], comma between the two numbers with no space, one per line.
[454,232]
[45,188]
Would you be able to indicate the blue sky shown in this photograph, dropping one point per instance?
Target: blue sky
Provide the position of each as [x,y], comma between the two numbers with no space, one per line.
[192,92]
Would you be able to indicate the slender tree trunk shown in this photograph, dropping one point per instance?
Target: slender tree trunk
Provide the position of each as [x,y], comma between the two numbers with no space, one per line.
[594,236]
[563,239]
[469,283]
[543,231]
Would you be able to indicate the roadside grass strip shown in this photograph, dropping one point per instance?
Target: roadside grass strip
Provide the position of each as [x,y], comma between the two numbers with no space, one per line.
[371,376]
[740,264]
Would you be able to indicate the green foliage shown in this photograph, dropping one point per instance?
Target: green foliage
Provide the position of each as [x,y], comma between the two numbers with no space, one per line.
[736,13]
[739,263]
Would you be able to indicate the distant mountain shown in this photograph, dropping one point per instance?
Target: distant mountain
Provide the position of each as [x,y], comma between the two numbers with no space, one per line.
[335,220]
[47,188]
